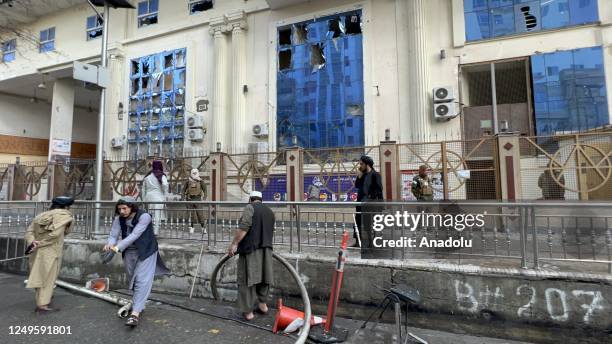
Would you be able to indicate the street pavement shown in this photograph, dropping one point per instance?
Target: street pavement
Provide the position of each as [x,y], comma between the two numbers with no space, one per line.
[95,321]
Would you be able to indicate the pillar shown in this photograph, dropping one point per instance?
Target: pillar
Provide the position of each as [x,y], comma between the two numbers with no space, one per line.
[217,187]
[218,27]
[509,166]
[389,171]
[62,111]
[239,133]
[419,91]
[295,174]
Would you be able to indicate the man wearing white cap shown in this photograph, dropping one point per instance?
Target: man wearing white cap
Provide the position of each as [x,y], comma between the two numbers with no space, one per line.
[253,243]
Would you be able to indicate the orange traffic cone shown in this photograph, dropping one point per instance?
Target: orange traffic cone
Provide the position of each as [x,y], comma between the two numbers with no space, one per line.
[286,315]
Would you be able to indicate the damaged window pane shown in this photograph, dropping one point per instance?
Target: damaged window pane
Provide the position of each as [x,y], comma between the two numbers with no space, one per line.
[135,86]
[168,61]
[146,67]
[179,79]
[145,84]
[179,99]
[156,88]
[147,12]
[148,20]
[135,67]
[336,28]
[353,24]
[300,34]
[317,57]
[284,36]
[284,60]
[200,6]
[354,110]
[168,81]
[180,59]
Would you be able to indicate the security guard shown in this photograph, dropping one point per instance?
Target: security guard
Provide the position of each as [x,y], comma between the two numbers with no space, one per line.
[195,190]
[421,185]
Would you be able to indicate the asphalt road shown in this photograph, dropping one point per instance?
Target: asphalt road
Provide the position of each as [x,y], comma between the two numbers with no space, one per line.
[95,321]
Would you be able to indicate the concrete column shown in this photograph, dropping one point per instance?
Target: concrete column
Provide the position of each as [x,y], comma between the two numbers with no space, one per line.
[295,174]
[62,110]
[509,167]
[419,90]
[389,171]
[239,134]
[218,27]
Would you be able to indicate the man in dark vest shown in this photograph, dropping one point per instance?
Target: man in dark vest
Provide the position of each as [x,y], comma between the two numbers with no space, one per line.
[369,189]
[138,247]
[253,243]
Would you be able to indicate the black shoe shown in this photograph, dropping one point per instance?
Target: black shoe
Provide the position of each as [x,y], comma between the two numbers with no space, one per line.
[132,321]
[43,311]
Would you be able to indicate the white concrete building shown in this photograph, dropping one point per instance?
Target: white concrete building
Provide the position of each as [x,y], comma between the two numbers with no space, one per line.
[319,73]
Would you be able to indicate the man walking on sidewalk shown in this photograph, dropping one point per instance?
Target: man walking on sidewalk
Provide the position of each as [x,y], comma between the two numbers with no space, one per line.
[253,243]
[45,240]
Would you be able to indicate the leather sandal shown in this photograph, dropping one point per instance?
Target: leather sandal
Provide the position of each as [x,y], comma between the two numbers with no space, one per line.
[132,321]
[244,315]
[259,311]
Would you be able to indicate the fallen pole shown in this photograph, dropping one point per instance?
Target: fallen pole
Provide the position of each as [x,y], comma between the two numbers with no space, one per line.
[125,304]
[303,335]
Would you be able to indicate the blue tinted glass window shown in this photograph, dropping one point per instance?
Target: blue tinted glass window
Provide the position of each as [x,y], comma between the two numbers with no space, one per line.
[502,21]
[500,3]
[558,64]
[583,11]
[555,14]
[153,6]
[43,35]
[47,40]
[572,95]
[143,7]
[474,5]
[477,25]
[8,50]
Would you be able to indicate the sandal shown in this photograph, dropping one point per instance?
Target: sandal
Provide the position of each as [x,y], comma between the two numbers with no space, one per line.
[132,321]
[244,315]
[259,311]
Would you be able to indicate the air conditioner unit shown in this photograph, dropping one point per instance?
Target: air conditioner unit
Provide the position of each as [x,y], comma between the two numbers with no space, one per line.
[258,147]
[195,121]
[260,130]
[118,142]
[445,111]
[443,94]
[195,134]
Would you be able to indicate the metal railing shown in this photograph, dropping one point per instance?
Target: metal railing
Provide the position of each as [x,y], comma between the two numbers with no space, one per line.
[525,234]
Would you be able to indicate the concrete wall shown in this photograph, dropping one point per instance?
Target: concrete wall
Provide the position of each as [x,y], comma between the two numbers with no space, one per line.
[20,117]
[554,306]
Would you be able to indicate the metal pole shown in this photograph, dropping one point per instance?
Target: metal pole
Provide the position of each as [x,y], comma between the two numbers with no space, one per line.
[494,99]
[101,120]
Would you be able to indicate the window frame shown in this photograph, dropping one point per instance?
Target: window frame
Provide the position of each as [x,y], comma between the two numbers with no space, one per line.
[148,14]
[12,52]
[42,42]
[99,27]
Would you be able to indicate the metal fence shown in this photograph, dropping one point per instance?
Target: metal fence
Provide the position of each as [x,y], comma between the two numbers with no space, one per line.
[573,236]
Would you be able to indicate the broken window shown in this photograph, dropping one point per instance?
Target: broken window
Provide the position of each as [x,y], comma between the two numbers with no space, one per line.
[168,61]
[156,88]
[317,57]
[154,119]
[135,86]
[94,27]
[284,36]
[196,6]
[179,99]
[284,59]
[145,84]
[167,100]
[179,79]
[146,66]
[336,28]
[135,67]
[168,81]
[353,24]
[147,12]
[156,101]
[300,34]
[180,59]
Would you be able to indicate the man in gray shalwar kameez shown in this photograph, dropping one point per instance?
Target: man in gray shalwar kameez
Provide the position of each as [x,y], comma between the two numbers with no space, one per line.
[253,243]
[139,249]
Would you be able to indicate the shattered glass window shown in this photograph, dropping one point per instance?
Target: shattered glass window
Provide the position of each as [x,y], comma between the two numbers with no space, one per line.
[197,6]
[320,97]
[94,27]
[494,18]
[147,12]
[157,101]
